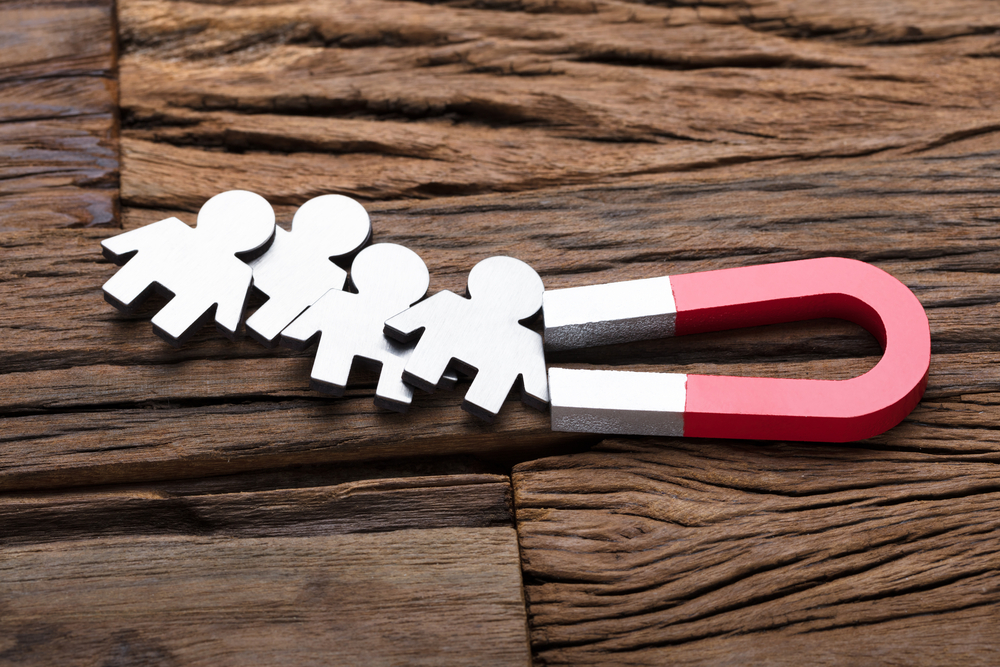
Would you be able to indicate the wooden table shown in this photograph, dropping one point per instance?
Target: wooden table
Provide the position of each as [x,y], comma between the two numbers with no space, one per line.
[203,506]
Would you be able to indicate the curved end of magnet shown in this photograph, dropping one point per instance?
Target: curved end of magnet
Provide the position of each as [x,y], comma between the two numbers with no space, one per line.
[811,410]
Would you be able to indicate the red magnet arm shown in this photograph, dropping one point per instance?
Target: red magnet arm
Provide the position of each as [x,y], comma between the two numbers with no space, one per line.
[824,410]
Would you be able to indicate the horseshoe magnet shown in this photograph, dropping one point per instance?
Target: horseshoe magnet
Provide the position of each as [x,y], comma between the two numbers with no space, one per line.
[676,404]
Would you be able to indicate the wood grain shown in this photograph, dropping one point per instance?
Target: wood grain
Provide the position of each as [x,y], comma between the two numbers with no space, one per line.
[409,99]
[417,569]
[263,505]
[600,140]
[687,552]
[100,399]
[58,118]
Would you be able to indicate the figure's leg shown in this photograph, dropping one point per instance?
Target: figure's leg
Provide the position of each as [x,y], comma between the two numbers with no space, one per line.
[332,367]
[181,318]
[487,394]
[392,393]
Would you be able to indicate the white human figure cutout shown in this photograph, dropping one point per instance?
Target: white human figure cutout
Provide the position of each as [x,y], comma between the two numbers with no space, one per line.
[388,278]
[198,267]
[297,269]
[481,334]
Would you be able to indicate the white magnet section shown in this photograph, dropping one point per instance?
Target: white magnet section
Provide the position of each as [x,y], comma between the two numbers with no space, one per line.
[607,314]
[619,402]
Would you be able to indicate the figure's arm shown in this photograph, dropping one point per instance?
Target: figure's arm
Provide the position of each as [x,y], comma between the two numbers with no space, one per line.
[130,286]
[307,327]
[120,248]
[267,323]
[534,378]
[428,361]
[232,290]
[182,317]
[409,324]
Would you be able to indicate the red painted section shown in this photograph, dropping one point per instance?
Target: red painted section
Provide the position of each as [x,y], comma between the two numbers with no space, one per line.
[817,410]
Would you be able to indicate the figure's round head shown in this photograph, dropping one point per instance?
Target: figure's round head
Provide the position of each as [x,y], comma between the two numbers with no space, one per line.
[508,285]
[333,224]
[390,269]
[237,221]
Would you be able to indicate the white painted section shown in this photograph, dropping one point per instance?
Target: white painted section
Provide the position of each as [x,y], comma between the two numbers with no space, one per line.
[618,402]
[619,312]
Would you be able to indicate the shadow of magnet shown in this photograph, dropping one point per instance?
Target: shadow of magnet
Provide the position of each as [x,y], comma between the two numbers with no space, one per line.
[676,404]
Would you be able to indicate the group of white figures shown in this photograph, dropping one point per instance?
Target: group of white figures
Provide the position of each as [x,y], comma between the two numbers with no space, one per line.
[376,314]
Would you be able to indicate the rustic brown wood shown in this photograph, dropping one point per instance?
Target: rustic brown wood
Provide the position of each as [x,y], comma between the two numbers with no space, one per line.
[85,415]
[478,97]
[58,125]
[261,506]
[415,569]
[686,552]
[598,141]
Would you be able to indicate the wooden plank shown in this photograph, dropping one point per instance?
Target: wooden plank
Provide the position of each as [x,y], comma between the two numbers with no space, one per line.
[700,552]
[266,569]
[162,441]
[426,597]
[459,98]
[597,141]
[94,397]
[224,505]
[58,135]
[53,39]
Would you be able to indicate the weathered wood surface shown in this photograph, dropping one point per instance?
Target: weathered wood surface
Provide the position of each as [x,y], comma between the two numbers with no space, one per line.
[110,402]
[597,141]
[58,114]
[682,552]
[410,562]
[98,399]
[306,568]
[292,503]
[396,99]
